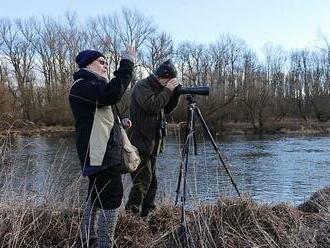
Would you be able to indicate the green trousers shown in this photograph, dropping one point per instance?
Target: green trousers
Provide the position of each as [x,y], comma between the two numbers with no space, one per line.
[144,189]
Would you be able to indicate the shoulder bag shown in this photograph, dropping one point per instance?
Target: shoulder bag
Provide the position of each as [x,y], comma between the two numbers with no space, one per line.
[130,158]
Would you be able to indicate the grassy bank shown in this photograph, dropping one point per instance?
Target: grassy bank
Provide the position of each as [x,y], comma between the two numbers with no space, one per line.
[11,126]
[231,222]
[283,126]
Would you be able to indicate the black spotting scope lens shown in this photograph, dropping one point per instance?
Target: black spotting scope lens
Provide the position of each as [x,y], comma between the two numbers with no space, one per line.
[199,90]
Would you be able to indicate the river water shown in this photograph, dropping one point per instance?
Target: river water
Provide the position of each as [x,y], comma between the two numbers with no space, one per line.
[270,169]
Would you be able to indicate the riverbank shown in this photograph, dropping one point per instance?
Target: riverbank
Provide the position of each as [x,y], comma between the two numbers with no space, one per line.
[284,126]
[231,222]
[288,126]
[34,131]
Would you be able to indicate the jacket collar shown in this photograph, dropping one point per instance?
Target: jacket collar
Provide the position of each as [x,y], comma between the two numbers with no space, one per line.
[154,82]
[88,74]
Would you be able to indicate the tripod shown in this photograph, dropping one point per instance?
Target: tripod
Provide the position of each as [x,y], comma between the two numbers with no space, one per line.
[189,138]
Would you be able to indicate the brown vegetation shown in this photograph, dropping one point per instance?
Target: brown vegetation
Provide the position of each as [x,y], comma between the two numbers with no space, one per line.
[231,222]
[28,226]
[11,127]
[283,126]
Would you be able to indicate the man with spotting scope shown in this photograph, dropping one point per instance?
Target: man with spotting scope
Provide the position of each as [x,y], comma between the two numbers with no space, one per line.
[151,99]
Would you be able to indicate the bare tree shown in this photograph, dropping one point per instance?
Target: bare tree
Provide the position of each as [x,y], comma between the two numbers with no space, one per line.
[276,66]
[299,77]
[192,59]
[20,54]
[256,94]
[159,47]
[319,97]
[236,49]
[115,32]
[220,58]
[4,93]
[102,33]
[132,28]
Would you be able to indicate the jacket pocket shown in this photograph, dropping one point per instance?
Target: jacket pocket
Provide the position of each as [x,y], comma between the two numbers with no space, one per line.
[114,148]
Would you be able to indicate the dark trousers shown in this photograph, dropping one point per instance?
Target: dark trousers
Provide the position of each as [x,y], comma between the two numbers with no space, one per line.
[144,187]
[105,189]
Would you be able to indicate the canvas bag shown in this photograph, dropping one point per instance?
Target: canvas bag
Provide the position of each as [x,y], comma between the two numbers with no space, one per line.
[130,158]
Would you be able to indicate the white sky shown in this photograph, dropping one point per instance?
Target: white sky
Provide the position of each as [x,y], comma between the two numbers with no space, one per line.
[288,23]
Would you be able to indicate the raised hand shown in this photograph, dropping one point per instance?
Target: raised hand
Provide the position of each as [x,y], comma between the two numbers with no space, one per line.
[129,53]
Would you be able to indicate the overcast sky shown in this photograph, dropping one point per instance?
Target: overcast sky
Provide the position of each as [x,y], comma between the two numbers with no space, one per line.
[288,23]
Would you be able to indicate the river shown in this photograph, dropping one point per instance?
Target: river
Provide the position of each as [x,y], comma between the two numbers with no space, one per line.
[270,169]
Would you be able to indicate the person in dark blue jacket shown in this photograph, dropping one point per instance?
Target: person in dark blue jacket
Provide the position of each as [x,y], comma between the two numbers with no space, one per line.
[98,139]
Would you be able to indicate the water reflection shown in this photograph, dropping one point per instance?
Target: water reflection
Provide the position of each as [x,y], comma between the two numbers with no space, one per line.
[270,169]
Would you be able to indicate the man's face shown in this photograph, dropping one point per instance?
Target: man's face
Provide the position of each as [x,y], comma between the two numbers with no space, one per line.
[99,66]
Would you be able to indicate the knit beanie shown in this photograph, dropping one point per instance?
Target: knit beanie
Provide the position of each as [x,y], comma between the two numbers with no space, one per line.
[86,57]
[166,70]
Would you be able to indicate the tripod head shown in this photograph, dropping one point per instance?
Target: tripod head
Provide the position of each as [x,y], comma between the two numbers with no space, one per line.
[190,99]
[190,128]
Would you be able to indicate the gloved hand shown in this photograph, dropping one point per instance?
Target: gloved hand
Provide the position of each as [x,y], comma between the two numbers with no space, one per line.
[129,53]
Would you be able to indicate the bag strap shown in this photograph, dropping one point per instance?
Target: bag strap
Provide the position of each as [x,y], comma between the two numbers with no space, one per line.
[79,97]
[118,115]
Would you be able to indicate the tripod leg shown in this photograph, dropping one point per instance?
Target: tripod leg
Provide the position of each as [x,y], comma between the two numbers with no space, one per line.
[186,154]
[189,139]
[179,181]
[194,138]
[183,152]
[184,162]
[216,148]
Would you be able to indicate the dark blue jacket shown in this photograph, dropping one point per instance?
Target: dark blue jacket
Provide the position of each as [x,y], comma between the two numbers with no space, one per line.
[98,139]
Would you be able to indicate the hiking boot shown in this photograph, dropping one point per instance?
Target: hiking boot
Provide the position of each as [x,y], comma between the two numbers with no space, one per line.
[147,210]
[134,210]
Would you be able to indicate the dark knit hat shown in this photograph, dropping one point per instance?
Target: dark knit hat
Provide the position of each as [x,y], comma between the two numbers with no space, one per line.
[166,70]
[86,57]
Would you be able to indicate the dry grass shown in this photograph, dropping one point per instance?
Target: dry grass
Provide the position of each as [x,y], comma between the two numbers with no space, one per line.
[240,222]
[231,222]
[319,202]
[28,226]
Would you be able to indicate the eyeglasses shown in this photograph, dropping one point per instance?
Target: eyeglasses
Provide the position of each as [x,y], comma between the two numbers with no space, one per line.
[103,62]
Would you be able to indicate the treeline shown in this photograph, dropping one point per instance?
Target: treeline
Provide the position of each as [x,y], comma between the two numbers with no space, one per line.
[37,60]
